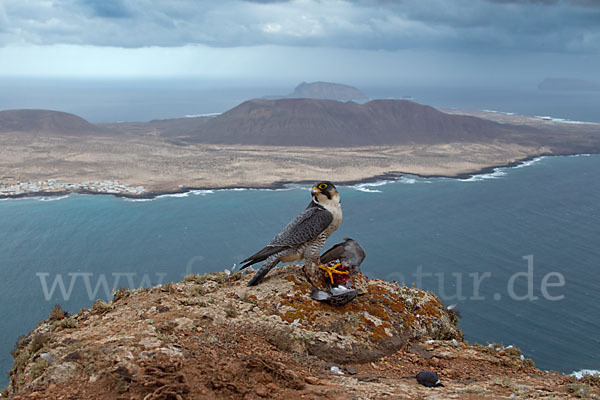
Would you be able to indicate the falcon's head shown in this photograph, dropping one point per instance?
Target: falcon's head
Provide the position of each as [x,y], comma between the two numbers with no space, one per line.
[325,192]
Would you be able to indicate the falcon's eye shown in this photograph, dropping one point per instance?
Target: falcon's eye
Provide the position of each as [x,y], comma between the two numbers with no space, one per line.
[322,186]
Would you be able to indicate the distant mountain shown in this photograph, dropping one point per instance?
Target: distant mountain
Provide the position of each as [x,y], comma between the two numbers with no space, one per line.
[46,122]
[323,90]
[312,122]
[568,84]
[327,91]
[318,123]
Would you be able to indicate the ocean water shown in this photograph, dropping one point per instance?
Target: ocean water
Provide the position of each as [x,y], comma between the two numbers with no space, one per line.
[525,100]
[145,100]
[128,100]
[528,235]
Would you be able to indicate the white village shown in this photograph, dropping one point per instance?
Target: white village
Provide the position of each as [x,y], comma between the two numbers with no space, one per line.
[50,186]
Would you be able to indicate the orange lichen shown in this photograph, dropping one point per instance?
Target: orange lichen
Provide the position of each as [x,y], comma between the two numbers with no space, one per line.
[387,307]
[409,319]
[291,316]
[431,310]
[379,332]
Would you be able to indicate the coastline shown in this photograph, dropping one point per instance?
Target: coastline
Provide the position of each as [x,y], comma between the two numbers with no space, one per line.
[141,164]
[491,169]
[284,184]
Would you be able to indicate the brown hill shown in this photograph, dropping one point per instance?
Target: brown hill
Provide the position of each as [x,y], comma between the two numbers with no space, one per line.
[312,122]
[321,123]
[46,122]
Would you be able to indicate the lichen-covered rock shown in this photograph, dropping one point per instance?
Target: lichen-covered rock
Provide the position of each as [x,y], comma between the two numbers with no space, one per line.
[375,324]
[212,336]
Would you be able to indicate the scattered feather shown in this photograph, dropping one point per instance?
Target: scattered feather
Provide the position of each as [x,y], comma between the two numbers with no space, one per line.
[336,370]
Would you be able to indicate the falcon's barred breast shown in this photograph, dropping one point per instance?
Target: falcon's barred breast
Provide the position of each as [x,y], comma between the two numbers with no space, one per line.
[304,236]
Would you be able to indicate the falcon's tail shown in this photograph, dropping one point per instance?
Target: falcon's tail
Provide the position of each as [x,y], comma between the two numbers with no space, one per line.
[264,270]
[261,255]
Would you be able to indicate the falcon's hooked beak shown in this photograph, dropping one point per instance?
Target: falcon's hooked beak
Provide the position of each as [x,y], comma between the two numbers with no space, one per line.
[325,188]
[316,190]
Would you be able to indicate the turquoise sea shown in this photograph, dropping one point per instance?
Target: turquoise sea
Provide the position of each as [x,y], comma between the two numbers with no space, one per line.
[518,249]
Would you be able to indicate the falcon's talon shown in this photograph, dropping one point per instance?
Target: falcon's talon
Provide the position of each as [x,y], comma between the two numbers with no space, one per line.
[329,271]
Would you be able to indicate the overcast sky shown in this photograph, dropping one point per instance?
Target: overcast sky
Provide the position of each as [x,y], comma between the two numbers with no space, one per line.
[359,41]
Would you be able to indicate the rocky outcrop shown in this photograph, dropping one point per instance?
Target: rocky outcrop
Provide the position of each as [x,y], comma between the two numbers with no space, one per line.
[211,336]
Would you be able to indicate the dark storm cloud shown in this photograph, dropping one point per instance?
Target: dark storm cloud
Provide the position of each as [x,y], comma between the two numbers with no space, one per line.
[267,1]
[462,25]
[108,8]
[525,1]
[589,3]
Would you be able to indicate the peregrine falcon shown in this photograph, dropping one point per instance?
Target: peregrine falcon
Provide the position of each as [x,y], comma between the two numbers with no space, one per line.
[304,236]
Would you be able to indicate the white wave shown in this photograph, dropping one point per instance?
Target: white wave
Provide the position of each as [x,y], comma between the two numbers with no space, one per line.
[409,181]
[498,172]
[20,198]
[579,374]
[291,186]
[204,192]
[377,183]
[53,198]
[499,112]
[202,115]
[529,162]
[197,192]
[502,171]
[365,189]
[184,194]
[284,189]
[562,120]
[201,192]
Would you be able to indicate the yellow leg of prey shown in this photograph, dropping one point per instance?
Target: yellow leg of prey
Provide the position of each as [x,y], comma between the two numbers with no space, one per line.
[329,271]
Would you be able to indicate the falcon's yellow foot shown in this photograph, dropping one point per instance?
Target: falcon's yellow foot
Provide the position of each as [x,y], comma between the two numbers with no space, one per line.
[329,271]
